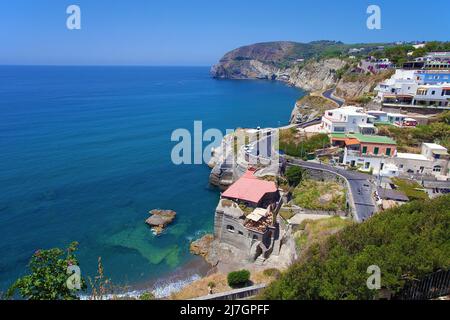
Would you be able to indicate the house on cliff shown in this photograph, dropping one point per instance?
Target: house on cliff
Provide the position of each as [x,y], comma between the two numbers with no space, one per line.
[246,216]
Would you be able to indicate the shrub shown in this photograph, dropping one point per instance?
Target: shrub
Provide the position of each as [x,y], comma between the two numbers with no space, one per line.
[147,296]
[295,175]
[272,272]
[238,279]
[48,277]
[287,214]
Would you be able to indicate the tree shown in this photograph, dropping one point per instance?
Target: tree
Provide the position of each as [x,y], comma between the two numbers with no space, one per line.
[238,278]
[295,175]
[49,276]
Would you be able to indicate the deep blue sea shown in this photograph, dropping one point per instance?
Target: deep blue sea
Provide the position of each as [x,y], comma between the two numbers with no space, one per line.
[85,154]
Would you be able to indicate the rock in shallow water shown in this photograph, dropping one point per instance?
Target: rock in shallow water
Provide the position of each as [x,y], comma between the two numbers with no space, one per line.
[160,219]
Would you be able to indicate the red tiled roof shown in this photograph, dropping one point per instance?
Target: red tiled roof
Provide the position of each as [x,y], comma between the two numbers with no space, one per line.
[351,141]
[249,188]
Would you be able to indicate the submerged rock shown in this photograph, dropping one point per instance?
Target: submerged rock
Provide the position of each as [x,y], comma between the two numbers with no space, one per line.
[160,219]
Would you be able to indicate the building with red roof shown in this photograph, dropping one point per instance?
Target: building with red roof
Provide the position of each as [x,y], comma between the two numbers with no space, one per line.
[246,216]
[252,191]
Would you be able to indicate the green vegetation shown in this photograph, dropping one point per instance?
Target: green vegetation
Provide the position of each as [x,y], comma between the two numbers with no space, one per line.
[294,145]
[318,104]
[147,296]
[273,272]
[295,175]
[286,214]
[410,139]
[48,277]
[407,243]
[342,71]
[412,189]
[399,54]
[246,210]
[238,279]
[433,46]
[314,231]
[317,195]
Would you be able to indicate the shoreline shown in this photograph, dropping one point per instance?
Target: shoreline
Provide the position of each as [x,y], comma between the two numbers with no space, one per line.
[164,287]
[185,274]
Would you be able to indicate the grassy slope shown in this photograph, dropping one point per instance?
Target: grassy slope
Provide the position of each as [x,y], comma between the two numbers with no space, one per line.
[410,139]
[311,232]
[411,188]
[406,243]
[309,195]
[295,145]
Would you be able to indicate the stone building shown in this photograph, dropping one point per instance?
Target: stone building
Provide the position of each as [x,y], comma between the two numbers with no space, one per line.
[246,216]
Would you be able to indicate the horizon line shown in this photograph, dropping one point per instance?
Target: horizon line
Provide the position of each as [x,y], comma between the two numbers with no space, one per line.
[104,65]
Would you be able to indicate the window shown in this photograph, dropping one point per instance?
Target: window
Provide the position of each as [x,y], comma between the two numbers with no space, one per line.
[367,165]
[230,228]
[388,151]
[364,150]
[433,92]
[422,92]
[376,150]
[437,169]
[241,233]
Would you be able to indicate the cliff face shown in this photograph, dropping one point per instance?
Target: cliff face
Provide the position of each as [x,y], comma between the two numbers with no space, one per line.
[260,61]
[352,86]
[281,61]
[309,108]
[316,75]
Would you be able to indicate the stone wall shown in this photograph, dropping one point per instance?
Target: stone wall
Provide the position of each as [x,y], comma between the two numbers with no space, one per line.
[239,237]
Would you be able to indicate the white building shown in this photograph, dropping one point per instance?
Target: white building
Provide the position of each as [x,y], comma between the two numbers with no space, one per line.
[421,89]
[396,119]
[438,56]
[437,95]
[348,119]
[433,160]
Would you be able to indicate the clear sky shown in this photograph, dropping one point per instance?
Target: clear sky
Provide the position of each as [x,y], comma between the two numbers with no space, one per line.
[199,32]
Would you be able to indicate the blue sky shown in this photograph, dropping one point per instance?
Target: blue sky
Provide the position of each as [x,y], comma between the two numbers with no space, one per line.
[198,32]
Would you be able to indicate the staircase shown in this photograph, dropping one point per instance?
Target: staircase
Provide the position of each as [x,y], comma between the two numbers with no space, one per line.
[260,260]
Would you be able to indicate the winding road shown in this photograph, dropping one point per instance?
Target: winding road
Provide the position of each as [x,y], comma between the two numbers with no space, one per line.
[360,186]
[328,94]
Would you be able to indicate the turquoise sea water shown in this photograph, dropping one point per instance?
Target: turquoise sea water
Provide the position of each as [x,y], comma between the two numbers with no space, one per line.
[85,154]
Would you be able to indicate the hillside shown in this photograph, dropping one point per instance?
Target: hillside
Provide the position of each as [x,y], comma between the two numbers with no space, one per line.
[314,66]
[309,108]
[406,243]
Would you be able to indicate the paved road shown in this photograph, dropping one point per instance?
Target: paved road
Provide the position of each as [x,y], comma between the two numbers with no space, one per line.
[360,185]
[328,94]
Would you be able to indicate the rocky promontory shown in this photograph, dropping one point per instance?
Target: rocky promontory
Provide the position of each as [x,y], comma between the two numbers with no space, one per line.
[160,219]
[289,62]
[202,246]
